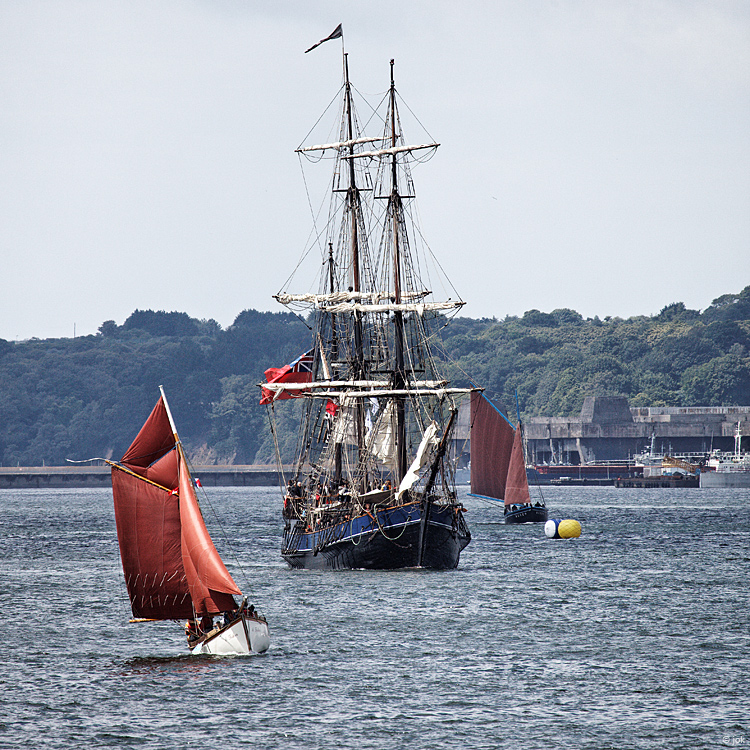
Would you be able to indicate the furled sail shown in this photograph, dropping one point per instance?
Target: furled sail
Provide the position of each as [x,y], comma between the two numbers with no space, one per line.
[334,298]
[491,447]
[339,144]
[420,308]
[168,558]
[390,151]
[381,437]
[517,483]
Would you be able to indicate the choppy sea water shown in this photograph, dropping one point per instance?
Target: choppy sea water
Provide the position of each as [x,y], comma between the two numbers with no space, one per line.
[635,635]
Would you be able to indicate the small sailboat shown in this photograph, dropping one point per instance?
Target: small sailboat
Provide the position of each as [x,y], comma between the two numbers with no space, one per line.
[172,569]
[498,463]
[372,484]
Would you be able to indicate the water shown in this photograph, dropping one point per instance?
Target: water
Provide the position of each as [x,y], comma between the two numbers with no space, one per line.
[635,635]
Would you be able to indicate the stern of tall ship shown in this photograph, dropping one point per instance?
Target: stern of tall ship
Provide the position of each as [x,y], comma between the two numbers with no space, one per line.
[382,539]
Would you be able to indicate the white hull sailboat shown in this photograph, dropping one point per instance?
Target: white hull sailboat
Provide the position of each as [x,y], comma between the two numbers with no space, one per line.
[246,635]
[172,569]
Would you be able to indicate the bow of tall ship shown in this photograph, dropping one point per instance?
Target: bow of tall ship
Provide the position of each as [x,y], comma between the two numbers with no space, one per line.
[372,485]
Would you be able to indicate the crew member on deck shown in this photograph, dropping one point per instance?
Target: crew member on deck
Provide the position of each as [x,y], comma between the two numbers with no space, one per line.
[191,631]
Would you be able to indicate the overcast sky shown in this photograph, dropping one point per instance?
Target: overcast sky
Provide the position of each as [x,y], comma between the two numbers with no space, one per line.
[595,155]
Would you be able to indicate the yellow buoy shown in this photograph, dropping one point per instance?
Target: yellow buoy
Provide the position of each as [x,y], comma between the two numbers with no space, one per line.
[567,528]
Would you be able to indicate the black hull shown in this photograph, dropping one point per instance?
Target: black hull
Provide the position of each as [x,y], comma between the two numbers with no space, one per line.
[388,542]
[531,514]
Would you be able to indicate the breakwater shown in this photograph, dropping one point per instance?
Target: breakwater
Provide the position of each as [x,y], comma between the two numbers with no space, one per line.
[56,477]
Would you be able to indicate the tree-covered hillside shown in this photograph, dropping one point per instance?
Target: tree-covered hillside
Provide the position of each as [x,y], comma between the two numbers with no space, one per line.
[679,357]
[88,396]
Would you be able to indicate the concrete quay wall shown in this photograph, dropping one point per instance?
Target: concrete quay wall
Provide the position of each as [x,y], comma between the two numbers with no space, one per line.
[56,477]
[607,429]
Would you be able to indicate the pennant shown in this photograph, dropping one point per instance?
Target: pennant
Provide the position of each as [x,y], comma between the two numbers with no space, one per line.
[331,408]
[337,33]
[299,371]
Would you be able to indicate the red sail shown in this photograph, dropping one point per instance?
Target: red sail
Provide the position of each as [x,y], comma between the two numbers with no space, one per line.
[154,440]
[164,545]
[211,585]
[491,446]
[517,483]
[148,530]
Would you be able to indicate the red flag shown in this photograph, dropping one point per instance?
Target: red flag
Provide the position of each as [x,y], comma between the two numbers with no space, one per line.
[299,371]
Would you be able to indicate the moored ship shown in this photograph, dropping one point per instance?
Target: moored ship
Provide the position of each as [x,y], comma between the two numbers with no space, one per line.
[728,469]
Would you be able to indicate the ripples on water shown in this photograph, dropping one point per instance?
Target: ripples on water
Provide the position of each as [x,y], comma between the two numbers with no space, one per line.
[634,635]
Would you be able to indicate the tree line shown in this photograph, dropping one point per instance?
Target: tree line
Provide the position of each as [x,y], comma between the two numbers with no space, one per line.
[88,396]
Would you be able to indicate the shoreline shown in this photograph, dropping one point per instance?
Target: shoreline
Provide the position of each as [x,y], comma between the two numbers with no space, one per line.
[34,477]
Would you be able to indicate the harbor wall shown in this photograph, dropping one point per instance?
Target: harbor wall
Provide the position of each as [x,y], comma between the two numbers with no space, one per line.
[56,477]
[607,429]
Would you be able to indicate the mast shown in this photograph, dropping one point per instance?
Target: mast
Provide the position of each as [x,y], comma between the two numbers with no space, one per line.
[334,357]
[398,318]
[169,415]
[178,443]
[352,193]
[354,208]
[332,287]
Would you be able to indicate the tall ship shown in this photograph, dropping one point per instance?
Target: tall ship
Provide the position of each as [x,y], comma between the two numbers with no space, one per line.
[372,485]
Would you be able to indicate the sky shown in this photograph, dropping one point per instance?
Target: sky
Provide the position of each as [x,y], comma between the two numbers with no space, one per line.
[594,155]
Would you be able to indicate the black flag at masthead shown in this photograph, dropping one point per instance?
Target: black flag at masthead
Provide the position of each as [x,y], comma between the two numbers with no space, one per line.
[337,33]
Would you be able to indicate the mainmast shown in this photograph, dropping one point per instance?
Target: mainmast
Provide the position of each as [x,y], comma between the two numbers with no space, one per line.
[398,374]
[353,200]
[352,192]
[334,356]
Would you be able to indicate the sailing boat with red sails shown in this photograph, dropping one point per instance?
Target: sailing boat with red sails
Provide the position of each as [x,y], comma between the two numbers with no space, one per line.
[498,463]
[172,569]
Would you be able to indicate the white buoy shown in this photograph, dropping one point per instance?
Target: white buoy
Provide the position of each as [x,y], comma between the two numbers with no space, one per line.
[562,528]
